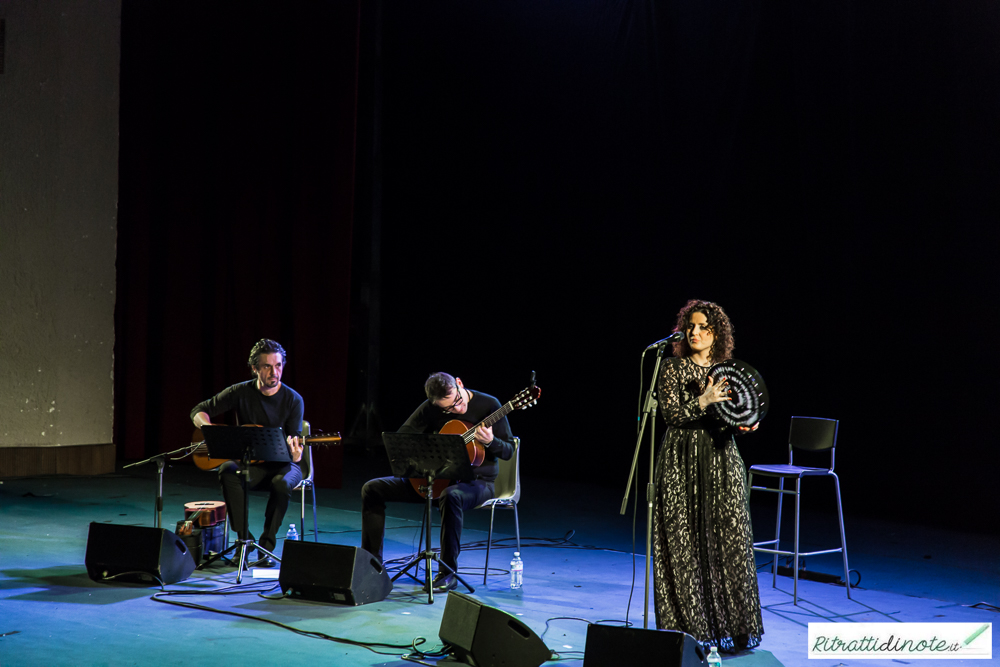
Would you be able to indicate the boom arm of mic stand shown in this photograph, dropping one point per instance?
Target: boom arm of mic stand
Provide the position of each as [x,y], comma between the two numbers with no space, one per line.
[159,459]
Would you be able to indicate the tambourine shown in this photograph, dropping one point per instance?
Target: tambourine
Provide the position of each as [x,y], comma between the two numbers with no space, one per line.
[747,390]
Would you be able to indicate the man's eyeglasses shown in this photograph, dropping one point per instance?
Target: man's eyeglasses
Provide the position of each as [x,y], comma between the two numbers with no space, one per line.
[458,401]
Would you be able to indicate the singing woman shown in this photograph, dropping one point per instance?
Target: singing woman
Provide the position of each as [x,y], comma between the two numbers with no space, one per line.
[705,581]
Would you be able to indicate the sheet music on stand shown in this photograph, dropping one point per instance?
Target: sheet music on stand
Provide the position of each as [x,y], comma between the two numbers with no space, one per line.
[441,455]
[262,443]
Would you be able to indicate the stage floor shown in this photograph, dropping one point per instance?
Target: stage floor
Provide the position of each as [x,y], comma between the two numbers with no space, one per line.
[53,614]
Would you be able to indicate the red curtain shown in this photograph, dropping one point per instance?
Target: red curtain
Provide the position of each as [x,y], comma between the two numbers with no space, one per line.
[235,208]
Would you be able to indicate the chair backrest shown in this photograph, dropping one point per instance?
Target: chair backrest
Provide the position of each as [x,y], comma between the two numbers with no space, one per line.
[508,483]
[813,434]
[306,464]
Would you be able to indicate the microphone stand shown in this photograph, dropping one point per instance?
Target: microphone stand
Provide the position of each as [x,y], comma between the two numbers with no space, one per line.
[648,414]
[160,460]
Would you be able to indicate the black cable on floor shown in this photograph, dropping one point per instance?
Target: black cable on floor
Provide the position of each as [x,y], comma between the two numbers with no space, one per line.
[249,588]
[139,572]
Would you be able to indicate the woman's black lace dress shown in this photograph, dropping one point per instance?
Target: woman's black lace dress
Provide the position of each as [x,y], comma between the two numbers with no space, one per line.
[705,581]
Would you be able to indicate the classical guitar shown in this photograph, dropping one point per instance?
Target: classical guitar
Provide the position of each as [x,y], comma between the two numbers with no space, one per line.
[205,462]
[477,453]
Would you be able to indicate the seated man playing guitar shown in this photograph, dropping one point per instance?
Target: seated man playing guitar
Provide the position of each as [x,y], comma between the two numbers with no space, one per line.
[263,401]
[447,398]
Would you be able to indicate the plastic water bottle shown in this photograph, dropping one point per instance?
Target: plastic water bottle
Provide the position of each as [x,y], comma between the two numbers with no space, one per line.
[292,534]
[516,571]
[714,659]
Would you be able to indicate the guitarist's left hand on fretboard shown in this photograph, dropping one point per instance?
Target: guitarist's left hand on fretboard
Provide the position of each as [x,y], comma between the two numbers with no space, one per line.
[295,448]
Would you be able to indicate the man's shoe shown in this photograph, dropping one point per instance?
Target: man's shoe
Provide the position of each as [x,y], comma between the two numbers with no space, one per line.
[266,561]
[444,582]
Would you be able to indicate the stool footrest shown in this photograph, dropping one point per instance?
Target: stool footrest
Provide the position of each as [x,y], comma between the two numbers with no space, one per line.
[792,553]
[770,490]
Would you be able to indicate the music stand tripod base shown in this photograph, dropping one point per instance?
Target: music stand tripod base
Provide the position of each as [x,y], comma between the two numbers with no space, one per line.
[431,456]
[245,445]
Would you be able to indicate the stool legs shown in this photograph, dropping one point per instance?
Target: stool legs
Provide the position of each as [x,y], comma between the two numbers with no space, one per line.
[795,564]
[777,533]
[843,539]
[796,553]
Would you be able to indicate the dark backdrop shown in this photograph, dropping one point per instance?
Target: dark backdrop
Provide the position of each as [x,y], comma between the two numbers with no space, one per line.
[236,206]
[540,186]
[561,176]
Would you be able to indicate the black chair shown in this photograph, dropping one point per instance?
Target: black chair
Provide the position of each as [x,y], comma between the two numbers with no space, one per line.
[806,434]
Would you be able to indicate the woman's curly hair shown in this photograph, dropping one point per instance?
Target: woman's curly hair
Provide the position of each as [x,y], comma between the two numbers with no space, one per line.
[718,322]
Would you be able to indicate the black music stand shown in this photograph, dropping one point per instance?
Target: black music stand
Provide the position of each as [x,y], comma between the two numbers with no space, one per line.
[431,456]
[245,444]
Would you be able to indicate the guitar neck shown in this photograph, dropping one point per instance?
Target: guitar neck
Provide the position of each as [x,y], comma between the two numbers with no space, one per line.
[321,439]
[489,421]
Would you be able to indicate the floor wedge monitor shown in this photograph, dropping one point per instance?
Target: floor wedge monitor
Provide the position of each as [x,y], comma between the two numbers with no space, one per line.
[332,573]
[488,637]
[615,646]
[136,554]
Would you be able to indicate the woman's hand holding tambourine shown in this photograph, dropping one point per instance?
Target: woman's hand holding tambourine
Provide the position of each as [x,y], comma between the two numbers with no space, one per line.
[714,393]
[747,392]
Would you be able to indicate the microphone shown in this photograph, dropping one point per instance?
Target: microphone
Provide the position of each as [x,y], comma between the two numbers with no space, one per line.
[675,337]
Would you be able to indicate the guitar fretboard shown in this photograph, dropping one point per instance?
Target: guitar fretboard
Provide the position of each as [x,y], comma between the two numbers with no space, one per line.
[489,421]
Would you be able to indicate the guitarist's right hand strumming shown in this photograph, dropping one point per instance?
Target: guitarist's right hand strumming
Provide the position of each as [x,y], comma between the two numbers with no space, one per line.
[483,435]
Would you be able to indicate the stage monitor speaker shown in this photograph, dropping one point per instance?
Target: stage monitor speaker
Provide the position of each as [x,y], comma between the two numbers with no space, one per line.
[487,637]
[332,573]
[613,646]
[136,554]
